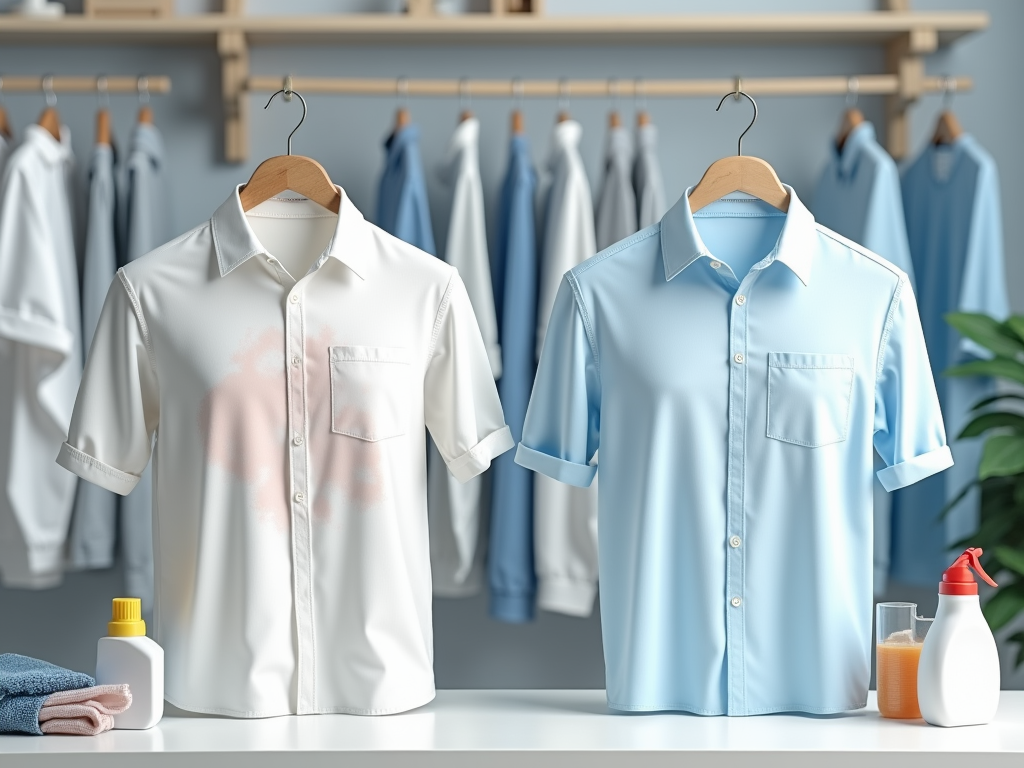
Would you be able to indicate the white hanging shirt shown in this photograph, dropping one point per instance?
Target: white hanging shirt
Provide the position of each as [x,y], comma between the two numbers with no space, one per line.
[454,506]
[565,517]
[292,563]
[40,358]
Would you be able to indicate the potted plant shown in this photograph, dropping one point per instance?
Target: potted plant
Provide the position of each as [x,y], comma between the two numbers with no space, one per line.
[1001,471]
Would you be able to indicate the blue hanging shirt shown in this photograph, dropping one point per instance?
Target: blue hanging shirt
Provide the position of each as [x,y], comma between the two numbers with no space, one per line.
[954,221]
[511,576]
[402,206]
[735,368]
[859,197]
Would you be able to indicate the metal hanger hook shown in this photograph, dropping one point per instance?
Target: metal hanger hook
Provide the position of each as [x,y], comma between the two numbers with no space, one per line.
[948,91]
[142,84]
[465,95]
[517,92]
[852,91]
[564,91]
[301,121]
[737,94]
[51,97]
[102,94]
[402,89]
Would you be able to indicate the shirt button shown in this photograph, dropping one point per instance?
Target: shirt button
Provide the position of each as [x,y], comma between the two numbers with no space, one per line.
[738,357]
[294,298]
[301,497]
[716,264]
[736,602]
[734,542]
[741,299]
[295,360]
[297,440]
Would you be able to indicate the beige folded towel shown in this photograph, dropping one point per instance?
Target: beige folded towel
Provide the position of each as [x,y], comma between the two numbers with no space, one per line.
[84,711]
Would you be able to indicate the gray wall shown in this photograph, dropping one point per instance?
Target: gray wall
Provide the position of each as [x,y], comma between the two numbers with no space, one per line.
[345,134]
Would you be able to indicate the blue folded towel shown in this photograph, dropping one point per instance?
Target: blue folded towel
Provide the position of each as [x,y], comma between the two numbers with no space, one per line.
[25,683]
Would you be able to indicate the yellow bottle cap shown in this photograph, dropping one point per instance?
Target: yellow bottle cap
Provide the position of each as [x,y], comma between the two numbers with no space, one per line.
[126,618]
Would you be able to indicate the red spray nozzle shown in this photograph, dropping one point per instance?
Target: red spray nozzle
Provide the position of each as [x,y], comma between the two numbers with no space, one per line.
[958,579]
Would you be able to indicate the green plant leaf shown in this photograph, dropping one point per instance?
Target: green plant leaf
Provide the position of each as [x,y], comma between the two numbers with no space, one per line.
[993,420]
[988,332]
[995,398]
[999,366]
[1008,557]
[1004,605]
[1016,324]
[1003,455]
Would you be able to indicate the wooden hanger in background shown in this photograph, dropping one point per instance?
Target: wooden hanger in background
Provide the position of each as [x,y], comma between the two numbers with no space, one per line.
[49,119]
[517,112]
[5,126]
[295,172]
[145,110]
[103,132]
[947,127]
[643,118]
[741,173]
[851,119]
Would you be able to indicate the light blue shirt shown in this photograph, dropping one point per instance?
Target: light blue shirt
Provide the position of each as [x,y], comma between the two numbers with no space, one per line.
[735,368]
[951,197]
[510,565]
[402,197]
[94,519]
[859,197]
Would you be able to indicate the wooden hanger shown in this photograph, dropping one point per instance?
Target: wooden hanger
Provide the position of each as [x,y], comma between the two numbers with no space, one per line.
[739,174]
[145,110]
[517,122]
[5,126]
[947,129]
[614,119]
[851,119]
[103,133]
[295,172]
[643,118]
[49,119]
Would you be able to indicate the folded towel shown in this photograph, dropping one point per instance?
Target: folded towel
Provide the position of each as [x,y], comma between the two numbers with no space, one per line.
[25,683]
[84,712]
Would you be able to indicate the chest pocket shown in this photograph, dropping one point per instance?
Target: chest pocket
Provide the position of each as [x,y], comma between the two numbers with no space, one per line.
[809,397]
[369,392]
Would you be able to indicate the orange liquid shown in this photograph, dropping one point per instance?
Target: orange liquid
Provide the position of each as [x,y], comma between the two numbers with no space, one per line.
[896,667]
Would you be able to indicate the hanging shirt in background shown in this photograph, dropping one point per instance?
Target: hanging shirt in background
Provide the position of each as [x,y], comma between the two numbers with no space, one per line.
[564,514]
[94,521]
[147,226]
[735,398]
[455,508]
[40,359]
[859,197]
[954,221]
[510,566]
[5,150]
[402,206]
[647,183]
[615,217]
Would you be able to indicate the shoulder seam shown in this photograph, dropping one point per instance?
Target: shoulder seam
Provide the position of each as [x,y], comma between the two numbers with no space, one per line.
[141,318]
[868,254]
[887,330]
[442,310]
[581,307]
[640,236]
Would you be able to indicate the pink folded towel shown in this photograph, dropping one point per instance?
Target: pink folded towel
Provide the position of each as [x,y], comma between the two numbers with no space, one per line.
[84,711]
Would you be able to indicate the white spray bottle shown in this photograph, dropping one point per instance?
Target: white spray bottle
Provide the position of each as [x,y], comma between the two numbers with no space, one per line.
[958,676]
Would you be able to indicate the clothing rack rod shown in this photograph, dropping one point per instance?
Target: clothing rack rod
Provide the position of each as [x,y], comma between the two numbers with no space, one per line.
[81,84]
[871,85]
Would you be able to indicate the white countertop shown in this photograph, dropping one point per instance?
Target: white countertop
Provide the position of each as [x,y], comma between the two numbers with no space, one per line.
[537,729]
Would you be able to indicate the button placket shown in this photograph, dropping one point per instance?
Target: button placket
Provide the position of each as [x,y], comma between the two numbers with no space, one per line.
[302,552]
[735,483]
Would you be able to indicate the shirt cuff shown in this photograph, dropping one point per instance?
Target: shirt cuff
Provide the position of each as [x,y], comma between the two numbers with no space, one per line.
[478,458]
[568,596]
[512,609]
[916,469]
[95,471]
[581,475]
[35,332]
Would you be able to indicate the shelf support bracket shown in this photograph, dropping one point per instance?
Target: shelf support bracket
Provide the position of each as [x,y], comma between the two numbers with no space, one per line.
[234,74]
[904,57]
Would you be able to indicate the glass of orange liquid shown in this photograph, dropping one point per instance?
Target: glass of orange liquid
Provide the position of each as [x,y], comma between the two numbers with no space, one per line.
[899,635]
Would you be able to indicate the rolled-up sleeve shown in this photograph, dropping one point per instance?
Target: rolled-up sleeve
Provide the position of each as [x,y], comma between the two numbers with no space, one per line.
[461,405]
[561,434]
[909,434]
[117,409]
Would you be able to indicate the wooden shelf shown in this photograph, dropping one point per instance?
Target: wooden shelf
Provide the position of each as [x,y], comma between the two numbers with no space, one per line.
[769,29]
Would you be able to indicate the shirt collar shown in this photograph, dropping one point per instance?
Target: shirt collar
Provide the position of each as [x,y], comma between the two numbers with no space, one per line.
[235,242]
[681,244]
[146,138]
[462,147]
[565,139]
[49,148]
[846,158]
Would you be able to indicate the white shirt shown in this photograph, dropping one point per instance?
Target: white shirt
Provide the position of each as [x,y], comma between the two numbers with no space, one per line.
[40,358]
[565,517]
[455,511]
[292,558]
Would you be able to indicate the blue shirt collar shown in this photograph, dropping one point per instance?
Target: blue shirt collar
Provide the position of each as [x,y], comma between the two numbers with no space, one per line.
[681,244]
[847,157]
[236,243]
